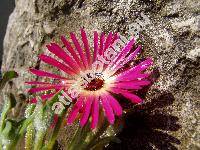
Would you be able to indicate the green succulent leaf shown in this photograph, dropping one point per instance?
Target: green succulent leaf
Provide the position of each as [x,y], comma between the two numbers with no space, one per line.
[9,103]
[9,131]
[6,108]
[56,129]
[16,123]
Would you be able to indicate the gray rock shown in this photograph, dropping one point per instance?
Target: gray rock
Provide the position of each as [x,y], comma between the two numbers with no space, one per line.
[169,30]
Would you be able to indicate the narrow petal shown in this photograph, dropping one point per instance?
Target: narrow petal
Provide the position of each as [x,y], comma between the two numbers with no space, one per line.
[95,113]
[73,114]
[115,37]
[71,50]
[129,58]
[137,69]
[95,46]
[123,53]
[102,40]
[79,49]
[115,105]
[86,45]
[126,49]
[36,83]
[134,98]
[51,61]
[55,120]
[135,82]
[120,57]
[108,109]
[43,97]
[86,112]
[60,53]
[132,55]
[144,65]
[133,76]
[108,41]
[45,74]
[39,89]
[33,101]
[124,85]
[117,90]
[47,96]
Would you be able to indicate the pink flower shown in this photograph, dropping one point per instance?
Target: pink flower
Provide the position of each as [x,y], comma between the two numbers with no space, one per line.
[77,62]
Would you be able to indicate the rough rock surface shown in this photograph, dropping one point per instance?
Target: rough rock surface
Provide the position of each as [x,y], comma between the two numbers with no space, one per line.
[169,30]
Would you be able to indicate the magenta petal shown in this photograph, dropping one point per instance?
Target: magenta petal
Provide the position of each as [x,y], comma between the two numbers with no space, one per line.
[95,46]
[132,76]
[108,109]
[58,51]
[140,67]
[134,98]
[55,120]
[86,112]
[71,50]
[79,49]
[55,63]
[47,96]
[123,53]
[137,69]
[132,55]
[135,82]
[33,101]
[86,45]
[39,89]
[36,83]
[102,40]
[124,85]
[115,37]
[45,74]
[95,113]
[120,56]
[75,110]
[141,82]
[129,58]
[108,41]
[126,49]
[117,90]
[144,64]
[43,97]
[115,105]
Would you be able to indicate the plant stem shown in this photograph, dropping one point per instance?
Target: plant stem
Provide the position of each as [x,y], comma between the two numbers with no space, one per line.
[29,137]
[39,140]
[75,141]
[55,134]
[22,131]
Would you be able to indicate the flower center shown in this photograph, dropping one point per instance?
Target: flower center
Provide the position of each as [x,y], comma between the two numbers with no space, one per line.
[95,84]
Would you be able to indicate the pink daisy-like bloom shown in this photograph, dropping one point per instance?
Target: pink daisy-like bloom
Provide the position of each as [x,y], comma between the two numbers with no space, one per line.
[77,61]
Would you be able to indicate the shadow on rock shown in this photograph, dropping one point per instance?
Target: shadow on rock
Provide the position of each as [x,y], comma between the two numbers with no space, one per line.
[146,127]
